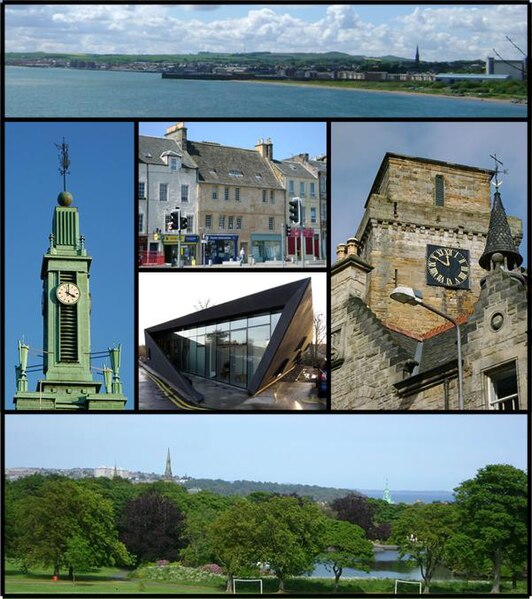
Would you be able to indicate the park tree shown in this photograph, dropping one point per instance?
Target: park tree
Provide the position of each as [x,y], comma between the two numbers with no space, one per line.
[422,532]
[290,535]
[62,514]
[358,510]
[346,547]
[151,527]
[232,539]
[287,533]
[493,509]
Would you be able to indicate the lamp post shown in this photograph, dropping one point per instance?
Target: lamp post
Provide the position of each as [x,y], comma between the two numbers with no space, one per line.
[414,297]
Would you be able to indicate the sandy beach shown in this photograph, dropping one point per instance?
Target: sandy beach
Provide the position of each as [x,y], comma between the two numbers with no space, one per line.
[383,91]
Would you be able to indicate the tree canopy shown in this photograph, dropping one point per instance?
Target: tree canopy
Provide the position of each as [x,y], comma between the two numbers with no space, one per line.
[493,509]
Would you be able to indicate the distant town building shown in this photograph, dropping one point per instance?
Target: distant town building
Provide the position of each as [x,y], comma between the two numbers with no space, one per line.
[111,472]
[454,77]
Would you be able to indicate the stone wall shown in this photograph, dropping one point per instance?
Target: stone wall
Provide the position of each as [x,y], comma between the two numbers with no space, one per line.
[498,337]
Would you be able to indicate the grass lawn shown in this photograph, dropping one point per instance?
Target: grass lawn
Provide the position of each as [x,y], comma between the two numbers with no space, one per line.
[110,581]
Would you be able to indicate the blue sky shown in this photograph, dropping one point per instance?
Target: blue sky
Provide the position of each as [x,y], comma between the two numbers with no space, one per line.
[413,451]
[443,32]
[288,138]
[358,150]
[101,182]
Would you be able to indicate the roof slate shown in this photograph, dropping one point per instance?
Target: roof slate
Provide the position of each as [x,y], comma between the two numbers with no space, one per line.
[293,169]
[214,162]
[151,149]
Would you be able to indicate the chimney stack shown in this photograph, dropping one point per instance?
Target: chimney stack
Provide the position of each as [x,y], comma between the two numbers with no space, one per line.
[265,148]
[178,132]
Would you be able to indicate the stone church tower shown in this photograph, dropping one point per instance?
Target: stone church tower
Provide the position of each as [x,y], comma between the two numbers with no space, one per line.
[424,226]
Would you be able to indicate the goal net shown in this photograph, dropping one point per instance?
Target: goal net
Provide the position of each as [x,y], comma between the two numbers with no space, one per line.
[405,586]
[247,585]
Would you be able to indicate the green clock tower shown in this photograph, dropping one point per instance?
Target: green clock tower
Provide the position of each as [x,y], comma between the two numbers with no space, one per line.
[68,382]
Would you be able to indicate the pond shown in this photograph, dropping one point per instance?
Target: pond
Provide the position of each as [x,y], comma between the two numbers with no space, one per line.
[387,565]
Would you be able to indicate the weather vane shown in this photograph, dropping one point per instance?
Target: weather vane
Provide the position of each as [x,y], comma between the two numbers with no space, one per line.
[497,183]
[64,161]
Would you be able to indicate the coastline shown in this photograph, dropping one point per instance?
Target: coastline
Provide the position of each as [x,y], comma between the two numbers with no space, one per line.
[383,91]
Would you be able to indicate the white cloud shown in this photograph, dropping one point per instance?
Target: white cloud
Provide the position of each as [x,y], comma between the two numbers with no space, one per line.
[443,32]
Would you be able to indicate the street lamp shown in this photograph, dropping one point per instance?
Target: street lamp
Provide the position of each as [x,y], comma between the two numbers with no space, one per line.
[414,297]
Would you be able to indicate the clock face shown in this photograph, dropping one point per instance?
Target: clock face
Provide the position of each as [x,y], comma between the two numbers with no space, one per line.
[447,267]
[67,293]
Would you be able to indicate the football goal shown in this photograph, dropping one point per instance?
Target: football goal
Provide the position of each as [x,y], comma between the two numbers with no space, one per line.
[401,586]
[247,585]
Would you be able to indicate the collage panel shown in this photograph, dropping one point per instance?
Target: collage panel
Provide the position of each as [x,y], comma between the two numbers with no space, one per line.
[429,295]
[232,341]
[286,273]
[69,275]
[192,513]
[232,194]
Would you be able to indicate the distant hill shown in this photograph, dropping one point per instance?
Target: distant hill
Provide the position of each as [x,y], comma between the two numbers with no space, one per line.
[245,487]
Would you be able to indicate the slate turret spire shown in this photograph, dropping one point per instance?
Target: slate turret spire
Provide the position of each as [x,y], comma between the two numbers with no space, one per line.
[499,239]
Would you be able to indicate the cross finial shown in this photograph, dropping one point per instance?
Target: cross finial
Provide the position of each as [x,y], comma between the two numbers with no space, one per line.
[64,161]
[497,183]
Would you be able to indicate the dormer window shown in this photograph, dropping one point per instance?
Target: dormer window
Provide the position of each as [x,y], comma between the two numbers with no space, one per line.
[235,173]
[172,160]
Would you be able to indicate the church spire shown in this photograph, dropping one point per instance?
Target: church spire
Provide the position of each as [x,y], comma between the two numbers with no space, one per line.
[416,59]
[387,496]
[499,239]
[168,470]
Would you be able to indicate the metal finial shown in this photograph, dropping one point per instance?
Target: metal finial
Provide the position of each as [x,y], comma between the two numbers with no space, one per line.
[64,161]
[497,183]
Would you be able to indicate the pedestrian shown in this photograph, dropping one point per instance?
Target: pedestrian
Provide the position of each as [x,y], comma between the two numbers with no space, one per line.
[242,256]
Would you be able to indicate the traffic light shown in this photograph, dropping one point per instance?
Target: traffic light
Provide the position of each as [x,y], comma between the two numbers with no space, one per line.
[295,210]
[288,230]
[183,223]
[175,219]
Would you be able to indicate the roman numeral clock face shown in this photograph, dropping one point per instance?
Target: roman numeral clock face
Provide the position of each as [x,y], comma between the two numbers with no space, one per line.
[447,267]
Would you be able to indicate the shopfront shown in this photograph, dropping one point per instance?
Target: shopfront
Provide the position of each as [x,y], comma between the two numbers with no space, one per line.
[189,246]
[266,246]
[220,248]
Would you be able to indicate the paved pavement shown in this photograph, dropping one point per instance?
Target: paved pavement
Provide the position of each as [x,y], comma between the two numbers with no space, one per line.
[155,394]
[236,265]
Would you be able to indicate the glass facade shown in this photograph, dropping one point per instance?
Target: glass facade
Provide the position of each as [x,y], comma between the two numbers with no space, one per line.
[227,351]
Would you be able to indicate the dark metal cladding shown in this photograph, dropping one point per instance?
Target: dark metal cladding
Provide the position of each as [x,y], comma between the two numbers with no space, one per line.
[289,340]
[499,239]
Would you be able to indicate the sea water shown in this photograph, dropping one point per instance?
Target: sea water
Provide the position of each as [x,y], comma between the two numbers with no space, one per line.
[53,92]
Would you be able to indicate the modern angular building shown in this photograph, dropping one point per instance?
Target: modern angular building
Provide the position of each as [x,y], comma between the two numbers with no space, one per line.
[248,343]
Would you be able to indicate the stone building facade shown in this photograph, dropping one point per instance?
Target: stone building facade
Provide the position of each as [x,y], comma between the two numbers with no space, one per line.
[393,356]
[234,199]
[167,180]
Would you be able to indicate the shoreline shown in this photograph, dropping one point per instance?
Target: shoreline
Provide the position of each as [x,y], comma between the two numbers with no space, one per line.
[385,91]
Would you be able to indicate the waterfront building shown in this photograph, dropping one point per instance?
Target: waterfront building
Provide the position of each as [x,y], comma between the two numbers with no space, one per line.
[167,181]
[514,69]
[430,226]
[247,343]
